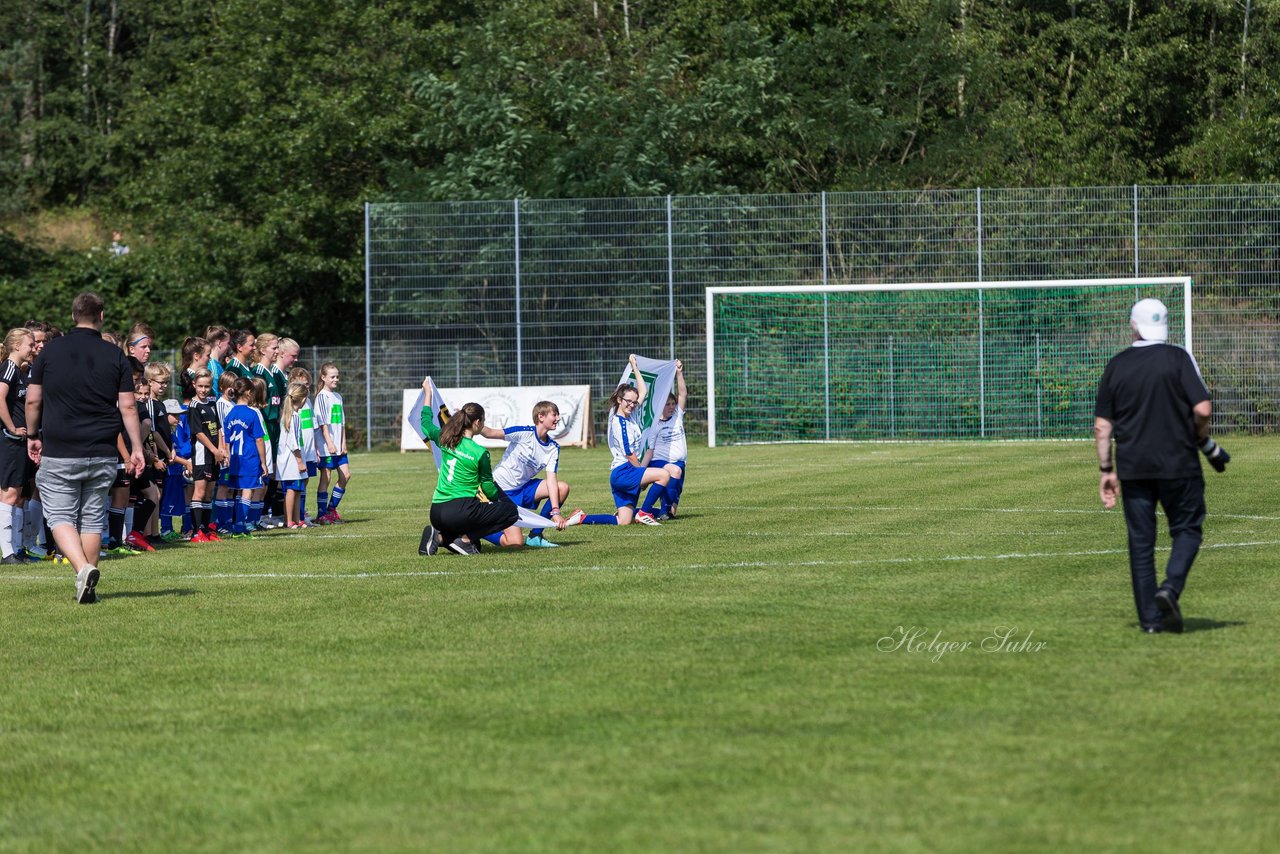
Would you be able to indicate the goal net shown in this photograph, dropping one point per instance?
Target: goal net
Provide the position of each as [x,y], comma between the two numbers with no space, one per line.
[959,360]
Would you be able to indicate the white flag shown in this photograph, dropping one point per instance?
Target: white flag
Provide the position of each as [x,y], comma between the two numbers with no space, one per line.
[414,417]
[659,376]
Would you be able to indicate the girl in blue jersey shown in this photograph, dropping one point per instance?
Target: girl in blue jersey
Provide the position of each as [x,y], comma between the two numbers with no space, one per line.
[244,441]
[629,473]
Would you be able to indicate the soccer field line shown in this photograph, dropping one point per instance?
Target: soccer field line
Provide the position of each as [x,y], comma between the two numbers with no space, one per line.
[746,564]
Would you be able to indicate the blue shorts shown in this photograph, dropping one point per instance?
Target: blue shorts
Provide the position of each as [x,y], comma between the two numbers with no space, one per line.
[625,483]
[293,485]
[312,468]
[525,496]
[243,481]
[334,462]
[657,464]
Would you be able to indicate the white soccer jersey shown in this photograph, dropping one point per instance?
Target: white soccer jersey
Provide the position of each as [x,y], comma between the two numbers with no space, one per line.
[328,411]
[625,437]
[525,457]
[266,441]
[224,407]
[670,444]
[308,433]
[290,441]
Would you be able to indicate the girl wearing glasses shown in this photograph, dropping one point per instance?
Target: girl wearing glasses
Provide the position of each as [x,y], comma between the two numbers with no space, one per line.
[629,473]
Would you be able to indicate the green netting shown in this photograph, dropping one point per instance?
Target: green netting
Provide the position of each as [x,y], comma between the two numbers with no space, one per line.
[998,363]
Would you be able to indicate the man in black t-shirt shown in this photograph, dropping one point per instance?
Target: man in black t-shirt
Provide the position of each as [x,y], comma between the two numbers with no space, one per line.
[80,393]
[1152,401]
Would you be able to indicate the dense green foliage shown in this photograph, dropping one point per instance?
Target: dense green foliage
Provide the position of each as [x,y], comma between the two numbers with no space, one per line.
[235,142]
[715,684]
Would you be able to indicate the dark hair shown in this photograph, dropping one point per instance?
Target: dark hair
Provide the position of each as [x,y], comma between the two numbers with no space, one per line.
[616,397]
[242,387]
[464,419]
[214,334]
[37,325]
[239,337]
[191,348]
[87,308]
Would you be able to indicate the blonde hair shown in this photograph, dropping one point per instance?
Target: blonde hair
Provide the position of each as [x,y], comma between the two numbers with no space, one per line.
[158,371]
[288,344]
[259,392]
[265,340]
[300,375]
[13,339]
[293,401]
[542,407]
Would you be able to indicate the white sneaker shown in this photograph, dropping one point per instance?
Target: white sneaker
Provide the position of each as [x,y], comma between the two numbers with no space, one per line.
[576,517]
[647,519]
[86,580]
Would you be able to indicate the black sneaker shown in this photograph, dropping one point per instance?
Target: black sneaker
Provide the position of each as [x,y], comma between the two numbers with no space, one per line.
[430,541]
[13,558]
[463,547]
[1170,614]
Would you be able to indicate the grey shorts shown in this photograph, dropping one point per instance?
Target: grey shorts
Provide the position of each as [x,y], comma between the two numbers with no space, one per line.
[74,491]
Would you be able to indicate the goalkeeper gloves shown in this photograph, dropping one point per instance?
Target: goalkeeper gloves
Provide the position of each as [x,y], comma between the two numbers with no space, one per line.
[1216,454]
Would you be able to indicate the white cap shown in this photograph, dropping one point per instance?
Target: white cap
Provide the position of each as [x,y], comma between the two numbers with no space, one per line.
[1150,319]
[174,407]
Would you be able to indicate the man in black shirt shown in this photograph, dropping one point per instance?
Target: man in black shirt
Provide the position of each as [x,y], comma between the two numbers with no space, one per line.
[1152,401]
[80,393]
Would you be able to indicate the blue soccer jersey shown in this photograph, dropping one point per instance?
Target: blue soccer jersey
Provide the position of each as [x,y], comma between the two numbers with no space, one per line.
[242,429]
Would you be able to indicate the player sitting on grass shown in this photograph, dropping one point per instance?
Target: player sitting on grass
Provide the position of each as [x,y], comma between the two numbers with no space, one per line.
[629,473]
[532,450]
[670,450]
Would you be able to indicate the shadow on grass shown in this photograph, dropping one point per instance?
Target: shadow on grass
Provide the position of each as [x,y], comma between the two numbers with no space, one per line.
[147,594]
[1204,624]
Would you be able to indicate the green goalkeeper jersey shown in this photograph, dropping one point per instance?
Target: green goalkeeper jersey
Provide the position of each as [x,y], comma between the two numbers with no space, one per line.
[464,470]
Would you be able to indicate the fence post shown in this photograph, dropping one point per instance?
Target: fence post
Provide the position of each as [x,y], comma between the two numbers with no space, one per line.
[826,324]
[982,343]
[519,330]
[671,281]
[368,335]
[1135,231]
[893,418]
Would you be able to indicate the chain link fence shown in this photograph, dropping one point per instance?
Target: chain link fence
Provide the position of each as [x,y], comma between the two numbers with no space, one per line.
[529,292]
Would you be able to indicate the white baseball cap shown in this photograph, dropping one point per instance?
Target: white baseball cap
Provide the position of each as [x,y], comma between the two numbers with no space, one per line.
[1150,319]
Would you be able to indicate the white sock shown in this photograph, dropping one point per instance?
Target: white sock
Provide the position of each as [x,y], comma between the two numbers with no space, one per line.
[6,529]
[128,523]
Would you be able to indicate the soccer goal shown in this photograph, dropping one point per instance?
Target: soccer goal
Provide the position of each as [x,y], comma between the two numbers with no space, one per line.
[937,361]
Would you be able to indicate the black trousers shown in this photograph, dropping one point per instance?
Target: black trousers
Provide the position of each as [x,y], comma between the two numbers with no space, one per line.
[472,517]
[1183,503]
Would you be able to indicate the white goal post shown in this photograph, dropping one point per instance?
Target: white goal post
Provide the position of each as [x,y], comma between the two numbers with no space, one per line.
[805,347]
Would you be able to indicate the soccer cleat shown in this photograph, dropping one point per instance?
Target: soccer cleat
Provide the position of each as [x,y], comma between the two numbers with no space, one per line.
[139,542]
[122,550]
[1170,614]
[575,518]
[199,537]
[541,543]
[646,518]
[211,537]
[171,537]
[463,547]
[13,558]
[37,553]
[243,535]
[334,518]
[86,581]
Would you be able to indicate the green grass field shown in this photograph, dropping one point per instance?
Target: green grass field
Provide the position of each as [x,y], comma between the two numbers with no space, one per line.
[719,683]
